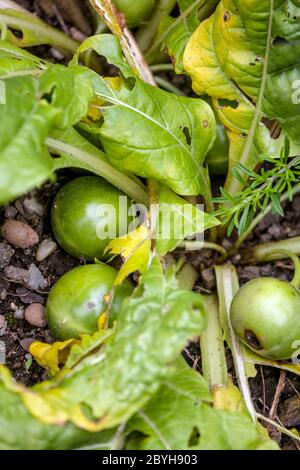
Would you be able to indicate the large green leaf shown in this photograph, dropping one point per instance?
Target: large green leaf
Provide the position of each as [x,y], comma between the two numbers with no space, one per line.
[171,134]
[179,417]
[114,382]
[25,124]
[169,140]
[30,126]
[169,419]
[246,55]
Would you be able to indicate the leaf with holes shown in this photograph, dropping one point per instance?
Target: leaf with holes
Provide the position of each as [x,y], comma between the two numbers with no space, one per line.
[171,134]
[179,417]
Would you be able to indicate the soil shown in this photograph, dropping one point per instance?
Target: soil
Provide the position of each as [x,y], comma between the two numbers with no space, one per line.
[15,295]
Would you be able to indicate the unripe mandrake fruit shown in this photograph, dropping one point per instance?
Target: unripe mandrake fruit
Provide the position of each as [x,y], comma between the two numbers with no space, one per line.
[265,315]
[78,298]
[83,212]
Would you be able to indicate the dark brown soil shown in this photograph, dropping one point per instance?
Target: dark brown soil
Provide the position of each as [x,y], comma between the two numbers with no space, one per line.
[15,296]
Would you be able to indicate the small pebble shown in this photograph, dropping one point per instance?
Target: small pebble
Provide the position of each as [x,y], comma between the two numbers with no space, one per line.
[208,278]
[56,54]
[3,325]
[36,279]
[227,244]
[19,314]
[33,206]
[10,212]
[289,412]
[31,277]
[28,297]
[16,274]
[6,254]
[3,294]
[26,342]
[35,314]
[19,234]
[46,248]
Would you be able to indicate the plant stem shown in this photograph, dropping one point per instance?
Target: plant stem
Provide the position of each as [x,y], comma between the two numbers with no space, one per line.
[108,12]
[212,347]
[168,86]
[199,245]
[272,251]
[206,6]
[76,157]
[280,428]
[228,285]
[259,217]
[146,34]
[167,67]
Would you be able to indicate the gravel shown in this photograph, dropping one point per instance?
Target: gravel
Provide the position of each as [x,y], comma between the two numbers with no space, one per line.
[6,254]
[35,314]
[19,234]
[46,248]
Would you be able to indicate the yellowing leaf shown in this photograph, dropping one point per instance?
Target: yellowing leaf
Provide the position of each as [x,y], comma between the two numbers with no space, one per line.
[233,58]
[228,398]
[52,356]
[135,248]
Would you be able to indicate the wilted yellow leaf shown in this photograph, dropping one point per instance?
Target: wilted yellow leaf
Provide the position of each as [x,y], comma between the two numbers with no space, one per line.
[135,248]
[52,356]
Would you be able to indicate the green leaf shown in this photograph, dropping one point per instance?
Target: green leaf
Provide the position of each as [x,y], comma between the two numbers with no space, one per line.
[31,30]
[25,124]
[177,33]
[179,417]
[169,419]
[177,220]
[171,134]
[67,93]
[17,62]
[108,46]
[71,92]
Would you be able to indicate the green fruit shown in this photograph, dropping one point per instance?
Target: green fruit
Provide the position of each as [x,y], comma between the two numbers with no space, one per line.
[265,314]
[217,157]
[80,218]
[135,11]
[77,300]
